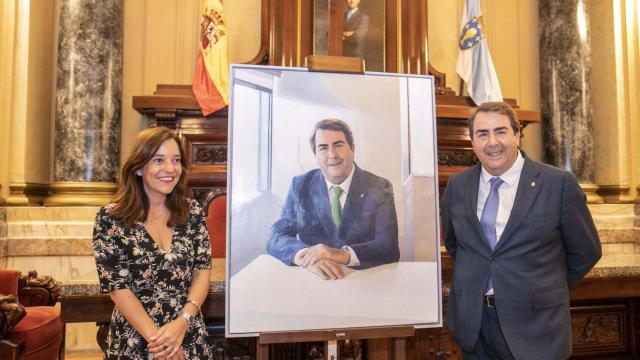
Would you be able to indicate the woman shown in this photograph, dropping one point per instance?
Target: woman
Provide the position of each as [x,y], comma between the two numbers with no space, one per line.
[153,257]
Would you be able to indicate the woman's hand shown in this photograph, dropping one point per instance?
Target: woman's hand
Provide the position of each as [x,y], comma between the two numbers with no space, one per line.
[167,341]
[178,356]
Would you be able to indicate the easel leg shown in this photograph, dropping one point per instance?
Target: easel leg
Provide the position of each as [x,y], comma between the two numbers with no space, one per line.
[379,349]
[400,349]
[262,351]
[331,350]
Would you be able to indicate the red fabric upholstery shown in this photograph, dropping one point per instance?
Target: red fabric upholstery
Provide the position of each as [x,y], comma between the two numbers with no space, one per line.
[217,225]
[9,282]
[41,331]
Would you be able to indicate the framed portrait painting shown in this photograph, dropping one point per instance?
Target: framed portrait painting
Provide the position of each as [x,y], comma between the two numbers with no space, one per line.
[332,201]
[395,39]
[353,28]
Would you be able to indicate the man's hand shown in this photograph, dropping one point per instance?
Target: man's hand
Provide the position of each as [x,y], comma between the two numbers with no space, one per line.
[326,269]
[322,260]
[322,251]
[298,258]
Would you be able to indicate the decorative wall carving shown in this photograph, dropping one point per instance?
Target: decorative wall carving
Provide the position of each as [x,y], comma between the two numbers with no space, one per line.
[601,329]
[596,329]
[456,158]
[209,154]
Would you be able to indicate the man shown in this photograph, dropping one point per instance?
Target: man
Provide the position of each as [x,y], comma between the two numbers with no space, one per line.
[336,215]
[355,28]
[521,237]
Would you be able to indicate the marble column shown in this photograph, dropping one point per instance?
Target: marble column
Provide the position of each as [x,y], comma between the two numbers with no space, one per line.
[88,102]
[565,83]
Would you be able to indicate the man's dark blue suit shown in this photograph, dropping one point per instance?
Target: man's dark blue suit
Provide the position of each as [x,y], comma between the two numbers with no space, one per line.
[548,245]
[369,223]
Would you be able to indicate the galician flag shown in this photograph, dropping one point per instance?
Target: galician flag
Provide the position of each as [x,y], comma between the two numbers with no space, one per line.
[211,78]
[474,65]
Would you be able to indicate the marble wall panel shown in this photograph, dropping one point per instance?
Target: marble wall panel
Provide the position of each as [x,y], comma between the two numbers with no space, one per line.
[88,91]
[59,213]
[62,268]
[614,216]
[565,80]
[81,337]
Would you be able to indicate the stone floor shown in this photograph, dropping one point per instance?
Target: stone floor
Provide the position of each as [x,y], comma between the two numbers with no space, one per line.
[83,355]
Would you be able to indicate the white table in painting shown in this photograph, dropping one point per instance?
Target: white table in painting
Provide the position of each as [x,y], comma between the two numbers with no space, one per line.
[268,295]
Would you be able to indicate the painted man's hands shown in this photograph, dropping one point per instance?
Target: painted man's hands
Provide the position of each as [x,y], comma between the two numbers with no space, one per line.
[322,260]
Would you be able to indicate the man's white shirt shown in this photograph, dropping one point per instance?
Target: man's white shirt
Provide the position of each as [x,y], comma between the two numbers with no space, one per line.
[350,13]
[345,185]
[507,195]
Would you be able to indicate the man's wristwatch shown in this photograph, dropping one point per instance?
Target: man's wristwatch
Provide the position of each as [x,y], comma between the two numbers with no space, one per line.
[346,250]
[190,318]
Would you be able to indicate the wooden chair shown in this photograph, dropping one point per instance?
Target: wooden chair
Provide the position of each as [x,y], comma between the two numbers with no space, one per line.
[38,335]
[216,205]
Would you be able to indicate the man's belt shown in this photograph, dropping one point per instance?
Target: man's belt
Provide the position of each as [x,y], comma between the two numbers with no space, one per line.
[490,301]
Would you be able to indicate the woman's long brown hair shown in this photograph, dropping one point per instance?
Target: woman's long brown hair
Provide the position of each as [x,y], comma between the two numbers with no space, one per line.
[131,201]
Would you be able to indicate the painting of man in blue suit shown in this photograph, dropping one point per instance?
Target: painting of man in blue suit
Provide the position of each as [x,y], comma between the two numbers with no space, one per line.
[337,215]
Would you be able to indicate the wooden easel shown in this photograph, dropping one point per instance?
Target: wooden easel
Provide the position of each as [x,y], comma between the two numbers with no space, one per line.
[339,64]
[394,347]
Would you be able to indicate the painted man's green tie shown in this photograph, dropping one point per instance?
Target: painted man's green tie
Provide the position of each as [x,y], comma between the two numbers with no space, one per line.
[336,209]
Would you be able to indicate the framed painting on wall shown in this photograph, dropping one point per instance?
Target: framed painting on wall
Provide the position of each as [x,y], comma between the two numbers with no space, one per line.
[353,28]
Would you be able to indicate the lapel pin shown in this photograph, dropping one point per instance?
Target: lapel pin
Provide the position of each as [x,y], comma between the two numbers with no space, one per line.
[533,184]
[361,196]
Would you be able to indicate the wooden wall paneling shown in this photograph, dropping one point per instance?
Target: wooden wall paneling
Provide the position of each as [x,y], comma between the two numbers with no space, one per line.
[421,32]
[275,33]
[409,37]
[205,142]
[287,15]
[403,46]
[306,31]
[414,36]
[290,26]
[392,21]
[601,328]
[336,24]
[380,349]
[262,56]
[634,334]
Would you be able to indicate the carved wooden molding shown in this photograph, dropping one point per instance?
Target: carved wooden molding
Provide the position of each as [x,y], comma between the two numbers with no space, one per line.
[209,154]
[596,329]
[601,328]
[456,158]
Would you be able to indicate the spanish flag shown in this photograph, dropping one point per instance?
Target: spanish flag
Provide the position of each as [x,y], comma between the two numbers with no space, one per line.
[211,78]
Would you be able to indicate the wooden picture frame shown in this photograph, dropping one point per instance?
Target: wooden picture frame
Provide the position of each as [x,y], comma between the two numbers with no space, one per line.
[359,32]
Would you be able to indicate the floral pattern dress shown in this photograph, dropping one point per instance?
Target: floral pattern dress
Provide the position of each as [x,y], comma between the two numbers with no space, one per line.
[128,258]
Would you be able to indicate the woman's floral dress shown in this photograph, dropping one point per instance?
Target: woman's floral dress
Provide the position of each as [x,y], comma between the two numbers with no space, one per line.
[128,258]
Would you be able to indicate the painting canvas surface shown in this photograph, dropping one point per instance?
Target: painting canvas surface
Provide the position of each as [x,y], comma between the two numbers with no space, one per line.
[273,112]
